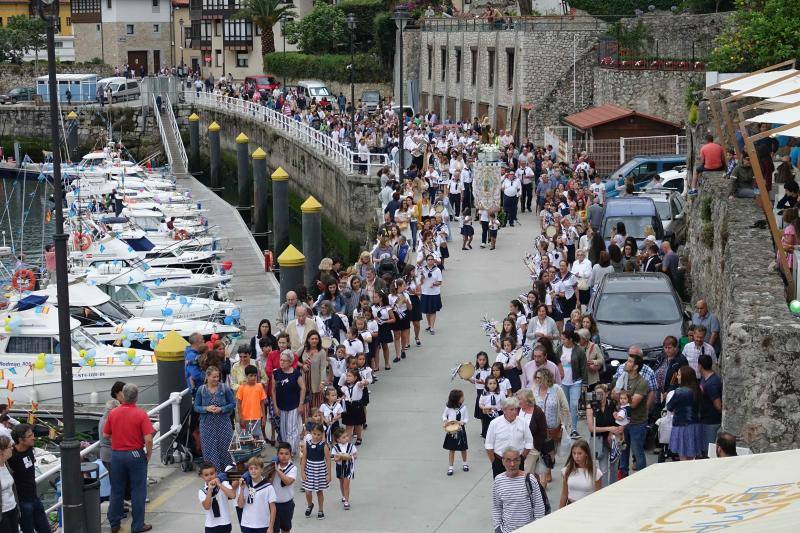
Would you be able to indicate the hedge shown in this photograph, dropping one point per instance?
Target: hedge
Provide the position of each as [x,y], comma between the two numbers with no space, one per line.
[364,12]
[385,44]
[368,68]
[624,8]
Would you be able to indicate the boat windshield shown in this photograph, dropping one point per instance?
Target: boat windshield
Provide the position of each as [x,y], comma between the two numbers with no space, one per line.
[114,311]
[82,340]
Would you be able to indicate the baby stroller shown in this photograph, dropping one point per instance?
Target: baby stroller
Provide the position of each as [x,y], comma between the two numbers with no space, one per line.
[387,265]
[664,425]
[180,445]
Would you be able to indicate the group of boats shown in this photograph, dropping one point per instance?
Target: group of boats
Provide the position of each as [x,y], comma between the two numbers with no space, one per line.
[143,261]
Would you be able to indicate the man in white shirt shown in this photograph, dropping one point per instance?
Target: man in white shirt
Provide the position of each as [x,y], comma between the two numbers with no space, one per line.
[598,189]
[282,483]
[455,193]
[363,155]
[512,188]
[694,350]
[507,431]
[466,179]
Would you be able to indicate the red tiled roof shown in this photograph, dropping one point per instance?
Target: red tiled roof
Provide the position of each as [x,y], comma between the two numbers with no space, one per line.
[180,3]
[597,116]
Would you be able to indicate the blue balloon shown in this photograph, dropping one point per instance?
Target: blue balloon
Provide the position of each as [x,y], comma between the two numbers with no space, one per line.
[39,309]
[183,300]
[48,359]
[228,320]
[49,367]
[145,266]
[153,344]
[102,248]
[235,313]
[137,359]
[92,352]
[158,282]
[126,343]
[82,362]
[167,311]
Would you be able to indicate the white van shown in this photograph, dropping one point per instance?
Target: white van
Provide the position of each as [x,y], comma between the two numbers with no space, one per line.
[314,89]
[121,88]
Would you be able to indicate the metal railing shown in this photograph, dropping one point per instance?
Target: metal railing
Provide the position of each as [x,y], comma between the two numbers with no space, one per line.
[340,154]
[157,113]
[509,23]
[174,403]
[178,139]
[655,54]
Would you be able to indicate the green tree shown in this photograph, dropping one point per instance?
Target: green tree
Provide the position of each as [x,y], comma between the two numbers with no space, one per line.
[760,33]
[264,14]
[322,31]
[21,35]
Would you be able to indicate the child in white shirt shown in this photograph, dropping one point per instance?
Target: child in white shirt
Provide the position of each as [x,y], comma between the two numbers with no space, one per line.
[214,497]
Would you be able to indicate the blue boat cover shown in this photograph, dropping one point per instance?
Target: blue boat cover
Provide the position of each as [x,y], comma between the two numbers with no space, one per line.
[29,302]
[142,244]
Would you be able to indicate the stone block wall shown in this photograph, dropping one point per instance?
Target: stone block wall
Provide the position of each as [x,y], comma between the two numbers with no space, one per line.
[733,269]
[655,92]
[117,43]
[349,201]
[673,32]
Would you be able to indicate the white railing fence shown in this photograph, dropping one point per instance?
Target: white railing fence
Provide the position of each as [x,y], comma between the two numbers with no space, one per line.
[610,154]
[174,403]
[161,131]
[341,155]
[177,131]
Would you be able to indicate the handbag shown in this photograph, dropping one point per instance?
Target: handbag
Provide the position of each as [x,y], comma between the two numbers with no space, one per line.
[545,499]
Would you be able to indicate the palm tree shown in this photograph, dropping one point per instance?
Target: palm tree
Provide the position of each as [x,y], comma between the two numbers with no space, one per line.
[264,14]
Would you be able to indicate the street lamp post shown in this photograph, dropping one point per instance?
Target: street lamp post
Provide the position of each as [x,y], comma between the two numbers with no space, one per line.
[71,478]
[284,20]
[401,17]
[351,25]
[183,43]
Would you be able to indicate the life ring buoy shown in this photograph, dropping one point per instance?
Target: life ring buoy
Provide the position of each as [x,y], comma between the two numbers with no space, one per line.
[24,280]
[181,235]
[82,241]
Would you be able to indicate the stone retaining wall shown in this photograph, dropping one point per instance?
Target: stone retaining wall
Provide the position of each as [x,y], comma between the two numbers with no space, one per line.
[734,270]
[348,200]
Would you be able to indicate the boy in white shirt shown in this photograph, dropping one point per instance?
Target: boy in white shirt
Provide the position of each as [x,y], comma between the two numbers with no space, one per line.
[214,498]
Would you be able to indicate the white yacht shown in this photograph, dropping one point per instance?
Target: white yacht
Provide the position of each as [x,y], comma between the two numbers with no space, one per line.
[110,322]
[30,360]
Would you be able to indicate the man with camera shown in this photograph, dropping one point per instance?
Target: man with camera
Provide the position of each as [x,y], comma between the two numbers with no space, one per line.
[600,420]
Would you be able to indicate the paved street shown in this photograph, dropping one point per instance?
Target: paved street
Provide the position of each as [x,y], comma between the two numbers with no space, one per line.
[400,484]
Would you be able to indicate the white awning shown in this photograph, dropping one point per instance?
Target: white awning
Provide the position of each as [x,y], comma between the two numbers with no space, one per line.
[778,89]
[782,116]
[755,80]
[791,132]
[786,98]
[746,493]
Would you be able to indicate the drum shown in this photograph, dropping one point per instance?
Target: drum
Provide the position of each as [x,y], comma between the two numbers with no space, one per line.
[438,208]
[452,427]
[550,231]
[328,342]
[466,370]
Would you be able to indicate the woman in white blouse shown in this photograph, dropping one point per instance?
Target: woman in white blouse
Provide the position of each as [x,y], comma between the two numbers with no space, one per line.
[580,476]
[582,269]
[8,501]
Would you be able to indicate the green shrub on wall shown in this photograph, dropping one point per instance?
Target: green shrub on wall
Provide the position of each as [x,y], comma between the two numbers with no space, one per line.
[365,12]
[329,67]
[385,44]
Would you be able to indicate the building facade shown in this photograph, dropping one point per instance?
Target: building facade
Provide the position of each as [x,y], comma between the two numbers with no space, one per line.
[124,32]
[229,45]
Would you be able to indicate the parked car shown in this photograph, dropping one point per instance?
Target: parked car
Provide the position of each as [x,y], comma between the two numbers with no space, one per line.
[635,308]
[641,168]
[371,100]
[263,82]
[669,205]
[314,89]
[121,88]
[407,110]
[20,94]
[674,180]
[636,212]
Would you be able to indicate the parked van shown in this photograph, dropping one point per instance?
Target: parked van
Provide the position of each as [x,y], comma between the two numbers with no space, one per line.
[263,82]
[636,212]
[314,89]
[370,100]
[121,88]
[641,168]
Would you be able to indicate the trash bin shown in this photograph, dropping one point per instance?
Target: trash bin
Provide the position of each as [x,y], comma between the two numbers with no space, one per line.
[91,496]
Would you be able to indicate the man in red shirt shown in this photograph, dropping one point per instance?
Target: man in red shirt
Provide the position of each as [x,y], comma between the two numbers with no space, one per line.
[712,157]
[131,434]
